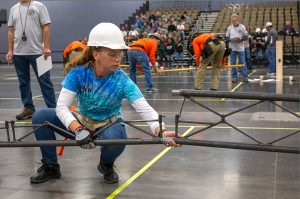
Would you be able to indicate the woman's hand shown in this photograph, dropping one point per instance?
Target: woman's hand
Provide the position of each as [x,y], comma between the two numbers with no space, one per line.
[168,136]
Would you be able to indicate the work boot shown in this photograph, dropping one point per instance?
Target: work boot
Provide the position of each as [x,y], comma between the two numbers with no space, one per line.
[46,172]
[25,114]
[109,174]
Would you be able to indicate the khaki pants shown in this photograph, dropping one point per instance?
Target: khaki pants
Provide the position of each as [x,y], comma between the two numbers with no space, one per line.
[216,59]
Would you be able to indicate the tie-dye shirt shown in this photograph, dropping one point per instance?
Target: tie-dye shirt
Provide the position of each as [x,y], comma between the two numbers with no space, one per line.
[101,98]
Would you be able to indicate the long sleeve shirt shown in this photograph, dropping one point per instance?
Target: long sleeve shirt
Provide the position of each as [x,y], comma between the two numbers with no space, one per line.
[198,45]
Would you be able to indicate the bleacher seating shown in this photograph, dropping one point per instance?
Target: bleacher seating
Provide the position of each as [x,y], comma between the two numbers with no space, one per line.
[256,16]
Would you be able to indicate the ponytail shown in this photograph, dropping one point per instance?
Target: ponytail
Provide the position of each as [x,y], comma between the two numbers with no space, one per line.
[86,59]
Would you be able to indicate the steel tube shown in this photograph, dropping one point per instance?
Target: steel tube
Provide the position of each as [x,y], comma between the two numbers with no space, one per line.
[74,143]
[242,146]
[237,95]
[182,141]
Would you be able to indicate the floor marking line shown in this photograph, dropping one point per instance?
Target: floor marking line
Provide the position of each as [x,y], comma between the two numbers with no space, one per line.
[142,170]
[241,83]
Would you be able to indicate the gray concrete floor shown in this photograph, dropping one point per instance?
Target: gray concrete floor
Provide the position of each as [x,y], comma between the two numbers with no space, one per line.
[187,172]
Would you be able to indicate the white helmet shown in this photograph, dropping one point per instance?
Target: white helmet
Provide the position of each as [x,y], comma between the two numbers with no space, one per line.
[257,30]
[133,33]
[269,24]
[264,30]
[107,35]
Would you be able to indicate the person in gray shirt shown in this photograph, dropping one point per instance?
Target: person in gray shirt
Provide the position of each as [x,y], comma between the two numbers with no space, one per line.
[28,39]
[235,35]
[270,45]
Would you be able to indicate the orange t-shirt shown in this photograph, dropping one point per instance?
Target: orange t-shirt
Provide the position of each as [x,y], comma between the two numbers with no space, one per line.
[198,45]
[149,46]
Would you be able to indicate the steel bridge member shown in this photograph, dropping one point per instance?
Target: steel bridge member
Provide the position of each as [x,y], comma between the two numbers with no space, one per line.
[100,87]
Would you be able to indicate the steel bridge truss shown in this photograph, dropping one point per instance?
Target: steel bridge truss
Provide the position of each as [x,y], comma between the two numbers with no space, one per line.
[12,140]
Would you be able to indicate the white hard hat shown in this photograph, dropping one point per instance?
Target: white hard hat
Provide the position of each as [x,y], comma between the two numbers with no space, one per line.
[257,30]
[133,33]
[107,35]
[269,24]
[264,30]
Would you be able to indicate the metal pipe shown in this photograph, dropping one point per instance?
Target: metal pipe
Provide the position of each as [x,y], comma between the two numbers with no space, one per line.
[7,130]
[237,95]
[74,142]
[241,109]
[177,116]
[203,129]
[50,125]
[195,122]
[12,123]
[160,125]
[286,109]
[31,132]
[140,129]
[182,141]
[284,137]
[102,129]
[236,145]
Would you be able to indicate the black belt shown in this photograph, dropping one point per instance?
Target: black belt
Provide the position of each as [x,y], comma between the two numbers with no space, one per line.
[215,40]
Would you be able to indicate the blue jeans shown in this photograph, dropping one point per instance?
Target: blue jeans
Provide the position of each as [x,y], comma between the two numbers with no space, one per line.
[248,58]
[134,57]
[22,66]
[109,153]
[170,59]
[179,57]
[271,54]
[241,57]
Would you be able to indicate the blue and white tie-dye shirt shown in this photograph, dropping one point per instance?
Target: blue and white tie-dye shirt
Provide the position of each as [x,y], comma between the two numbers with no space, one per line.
[100,98]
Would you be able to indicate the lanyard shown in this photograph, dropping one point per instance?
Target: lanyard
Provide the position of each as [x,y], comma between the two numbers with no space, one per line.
[24,38]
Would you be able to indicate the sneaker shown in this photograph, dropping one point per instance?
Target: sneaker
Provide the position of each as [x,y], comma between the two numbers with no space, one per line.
[109,174]
[245,80]
[198,88]
[213,89]
[46,172]
[152,90]
[234,80]
[25,114]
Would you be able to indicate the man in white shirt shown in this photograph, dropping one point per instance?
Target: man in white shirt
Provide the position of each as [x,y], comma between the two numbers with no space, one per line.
[28,39]
[235,35]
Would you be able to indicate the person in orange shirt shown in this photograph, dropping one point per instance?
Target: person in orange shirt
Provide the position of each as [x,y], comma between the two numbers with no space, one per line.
[142,51]
[211,49]
[74,49]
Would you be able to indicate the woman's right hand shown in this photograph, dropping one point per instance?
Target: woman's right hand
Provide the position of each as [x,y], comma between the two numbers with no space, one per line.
[9,56]
[168,136]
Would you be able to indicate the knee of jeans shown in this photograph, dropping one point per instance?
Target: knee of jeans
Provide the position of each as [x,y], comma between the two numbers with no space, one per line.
[117,131]
[40,116]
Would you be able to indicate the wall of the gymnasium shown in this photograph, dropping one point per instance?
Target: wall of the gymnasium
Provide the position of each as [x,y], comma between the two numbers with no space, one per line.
[73,18]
